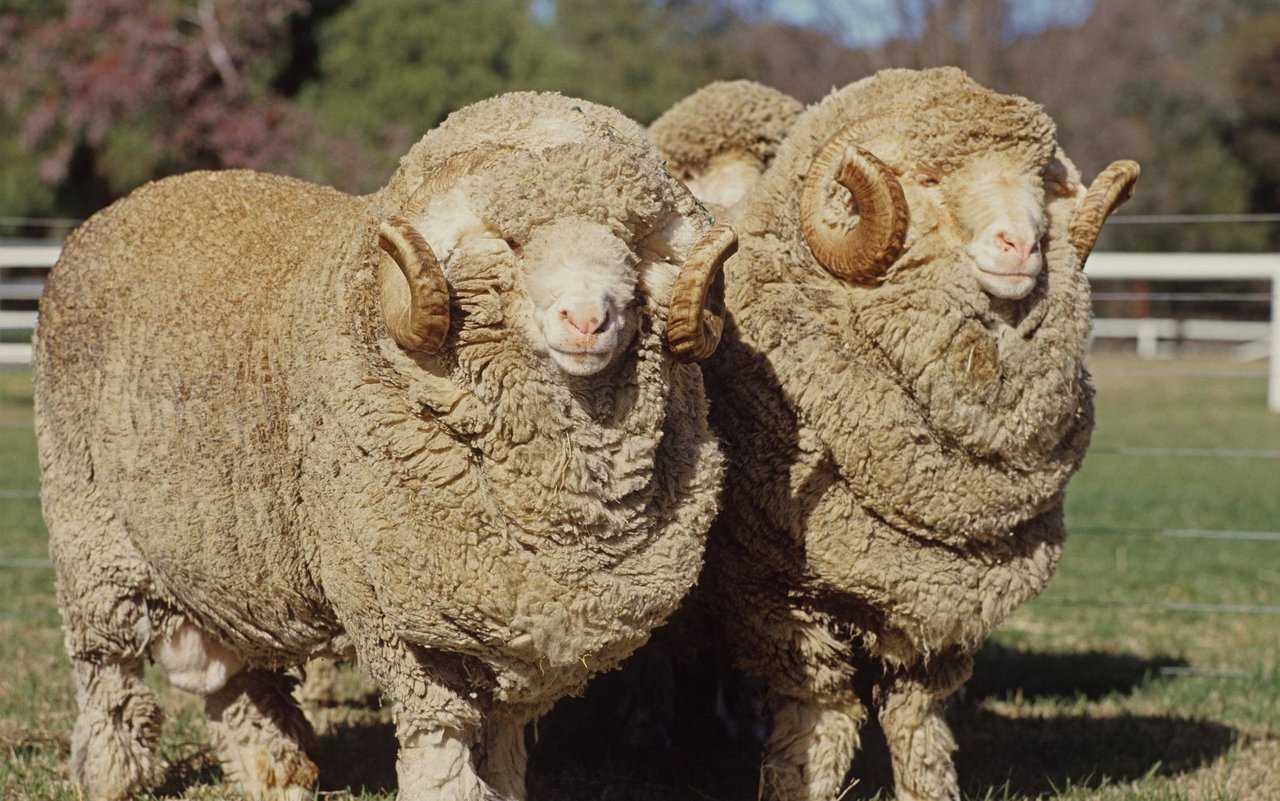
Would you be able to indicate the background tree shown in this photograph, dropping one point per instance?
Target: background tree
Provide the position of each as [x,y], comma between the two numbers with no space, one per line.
[1161,96]
[389,70]
[1254,135]
[97,96]
[641,56]
[109,93]
[22,192]
[1144,79]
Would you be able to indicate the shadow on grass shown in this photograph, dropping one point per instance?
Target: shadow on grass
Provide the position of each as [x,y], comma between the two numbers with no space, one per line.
[597,746]
[188,770]
[589,746]
[359,755]
[1036,755]
[1040,751]
[1000,672]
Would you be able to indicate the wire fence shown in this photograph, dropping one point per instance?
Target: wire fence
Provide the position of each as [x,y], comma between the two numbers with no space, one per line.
[1111,530]
[1123,532]
[1184,219]
[1120,218]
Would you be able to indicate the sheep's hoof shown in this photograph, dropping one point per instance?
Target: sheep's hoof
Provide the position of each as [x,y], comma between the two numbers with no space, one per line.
[113,752]
[114,768]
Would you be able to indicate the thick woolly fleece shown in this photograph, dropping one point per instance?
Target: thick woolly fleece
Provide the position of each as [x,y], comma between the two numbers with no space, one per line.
[725,116]
[228,435]
[898,451]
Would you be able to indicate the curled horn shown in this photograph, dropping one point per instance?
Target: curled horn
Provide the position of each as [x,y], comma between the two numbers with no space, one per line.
[417,318]
[863,252]
[1113,186]
[696,316]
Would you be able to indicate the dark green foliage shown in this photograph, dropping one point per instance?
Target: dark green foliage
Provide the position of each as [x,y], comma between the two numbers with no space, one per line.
[1254,138]
[389,70]
[97,96]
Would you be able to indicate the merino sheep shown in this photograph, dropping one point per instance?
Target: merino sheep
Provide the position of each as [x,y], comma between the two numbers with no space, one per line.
[902,397]
[719,139]
[471,459]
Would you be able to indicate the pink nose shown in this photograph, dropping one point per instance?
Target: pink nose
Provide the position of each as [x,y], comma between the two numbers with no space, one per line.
[1019,246]
[586,320]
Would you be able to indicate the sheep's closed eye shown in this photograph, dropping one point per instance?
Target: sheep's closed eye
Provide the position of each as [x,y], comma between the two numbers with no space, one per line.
[927,179]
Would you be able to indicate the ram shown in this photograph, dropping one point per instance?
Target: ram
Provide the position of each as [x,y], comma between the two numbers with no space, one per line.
[451,427]
[902,397]
[719,139]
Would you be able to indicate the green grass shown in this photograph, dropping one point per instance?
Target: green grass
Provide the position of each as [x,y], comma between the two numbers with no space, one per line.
[1149,670]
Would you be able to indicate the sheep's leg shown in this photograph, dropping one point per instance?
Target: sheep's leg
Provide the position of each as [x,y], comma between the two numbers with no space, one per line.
[101,583]
[115,737]
[262,736]
[810,748]
[816,714]
[505,756]
[319,685]
[920,742]
[438,729]
[435,764]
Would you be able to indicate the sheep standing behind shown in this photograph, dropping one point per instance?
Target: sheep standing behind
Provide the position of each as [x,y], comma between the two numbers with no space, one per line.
[477,459]
[719,139]
[902,397]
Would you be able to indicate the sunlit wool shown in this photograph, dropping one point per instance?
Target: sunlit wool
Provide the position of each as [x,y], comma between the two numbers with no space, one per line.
[259,444]
[899,434]
[719,139]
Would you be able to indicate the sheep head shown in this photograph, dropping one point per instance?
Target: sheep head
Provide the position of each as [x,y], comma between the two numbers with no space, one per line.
[563,237]
[942,161]
[581,284]
[719,139]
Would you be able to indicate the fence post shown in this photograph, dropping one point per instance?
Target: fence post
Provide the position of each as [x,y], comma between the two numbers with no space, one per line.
[1148,338]
[1273,358]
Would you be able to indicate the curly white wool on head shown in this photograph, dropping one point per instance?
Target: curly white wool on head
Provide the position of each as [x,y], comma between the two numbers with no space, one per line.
[724,179]
[584,283]
[720,139]
[998,208]
[581,283]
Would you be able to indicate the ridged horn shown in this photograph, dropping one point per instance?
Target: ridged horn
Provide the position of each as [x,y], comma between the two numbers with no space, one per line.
[1113,186]
[864,251]
[417,315]
[695,319]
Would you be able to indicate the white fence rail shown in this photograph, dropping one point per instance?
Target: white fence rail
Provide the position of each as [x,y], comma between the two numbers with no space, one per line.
[1255,339]
[21,253]
[1199,267]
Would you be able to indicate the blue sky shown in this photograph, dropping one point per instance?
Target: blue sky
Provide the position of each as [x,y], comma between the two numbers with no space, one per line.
[868,22]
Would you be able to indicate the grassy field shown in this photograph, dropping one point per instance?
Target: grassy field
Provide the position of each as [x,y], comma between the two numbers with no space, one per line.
[1148,671]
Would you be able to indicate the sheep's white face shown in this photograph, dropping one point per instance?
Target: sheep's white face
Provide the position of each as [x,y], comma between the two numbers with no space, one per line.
[579,277]
[581,283]
[724,180]
[1000,212]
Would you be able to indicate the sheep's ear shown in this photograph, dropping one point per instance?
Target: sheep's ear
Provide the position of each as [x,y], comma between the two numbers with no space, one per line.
[414,298]
[695,320]
[1057,178]
[1113,186]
